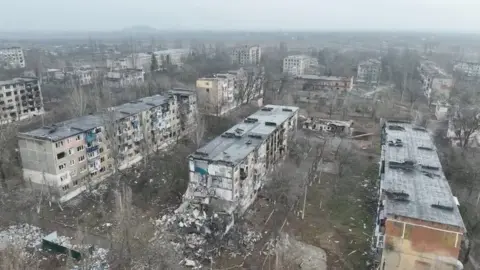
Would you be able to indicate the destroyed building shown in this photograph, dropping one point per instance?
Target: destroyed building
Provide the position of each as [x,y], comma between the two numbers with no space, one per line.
[418,224]
[336,127]
[69,156]
[20,98]
[230,170]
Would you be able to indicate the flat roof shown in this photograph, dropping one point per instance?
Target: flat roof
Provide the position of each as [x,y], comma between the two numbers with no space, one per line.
[235,144]
[182,91]
[413,182]
[18,80]
[322,78]
[74,126]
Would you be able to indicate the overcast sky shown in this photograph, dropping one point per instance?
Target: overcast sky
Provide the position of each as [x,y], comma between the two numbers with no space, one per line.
[436,15]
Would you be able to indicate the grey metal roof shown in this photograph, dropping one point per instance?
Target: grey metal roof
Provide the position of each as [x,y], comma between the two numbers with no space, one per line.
[71,127]
[413,182]
[245,136]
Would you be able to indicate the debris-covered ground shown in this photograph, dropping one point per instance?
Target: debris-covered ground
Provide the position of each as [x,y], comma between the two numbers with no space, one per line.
[202,235]
[26,240]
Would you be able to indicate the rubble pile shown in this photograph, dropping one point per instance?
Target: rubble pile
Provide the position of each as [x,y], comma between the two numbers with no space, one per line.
[22,235]
[202,235]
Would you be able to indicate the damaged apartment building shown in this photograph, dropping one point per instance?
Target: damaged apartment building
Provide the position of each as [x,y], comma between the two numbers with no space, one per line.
[418,224]
[223,92]
[20,99]
[227,173]
[68,156]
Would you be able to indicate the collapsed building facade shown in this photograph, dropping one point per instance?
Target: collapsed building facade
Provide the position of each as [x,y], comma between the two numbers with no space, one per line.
[418,224]
[68,156]
[20,99]
[228,172]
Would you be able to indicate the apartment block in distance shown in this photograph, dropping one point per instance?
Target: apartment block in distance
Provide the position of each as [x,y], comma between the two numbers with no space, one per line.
[467,69]
[69,156]
[20,98]
[298,64]
[437,83]
[368,72]
[327,82]
[12,58]
[230,170]
[418,224]
[246,55]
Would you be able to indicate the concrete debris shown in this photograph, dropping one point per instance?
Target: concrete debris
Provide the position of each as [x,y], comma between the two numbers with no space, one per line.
[22,235]
[201,234]
[190,263]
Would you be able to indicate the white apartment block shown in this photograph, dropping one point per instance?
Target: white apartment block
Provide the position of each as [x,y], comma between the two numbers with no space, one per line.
[296,65]
[175,57]
[246,55]
[20,98]
[125,78]
[468,69]
[69,156]
[437,84]
[231,169]
[12,58]
[117,64]
[368,72]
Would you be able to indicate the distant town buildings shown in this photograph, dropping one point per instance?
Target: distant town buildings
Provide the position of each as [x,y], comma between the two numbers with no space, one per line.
[67,157]
[125,78]
[327,82]
[467,69]
[299,65]
[369,71]
[229,171]
[170,57]
[20,98]
[418,223]
[12,58]
[437,84]
[246,55]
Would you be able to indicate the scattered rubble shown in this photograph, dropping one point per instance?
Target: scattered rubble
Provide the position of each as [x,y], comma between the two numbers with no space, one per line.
[22,235]
[202,234]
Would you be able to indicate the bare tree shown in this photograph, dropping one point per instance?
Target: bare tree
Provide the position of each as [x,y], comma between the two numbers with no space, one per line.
[78,100]
[123,233]
[466,123]
[199,129]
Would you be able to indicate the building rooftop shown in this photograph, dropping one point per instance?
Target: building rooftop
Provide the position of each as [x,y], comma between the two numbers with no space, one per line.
[18,80]
[433,70]
[181,91]
[72,127]
[300,56]
[413,181]
[322,78]
[236,143]
[370,62]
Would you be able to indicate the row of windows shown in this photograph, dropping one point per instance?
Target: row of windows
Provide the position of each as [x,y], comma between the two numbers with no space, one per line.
[69,140]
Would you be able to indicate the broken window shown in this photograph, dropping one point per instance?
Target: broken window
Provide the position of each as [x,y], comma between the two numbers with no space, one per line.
[60,155]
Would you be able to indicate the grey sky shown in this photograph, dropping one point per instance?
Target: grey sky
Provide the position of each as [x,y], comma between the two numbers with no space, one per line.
[437,15]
